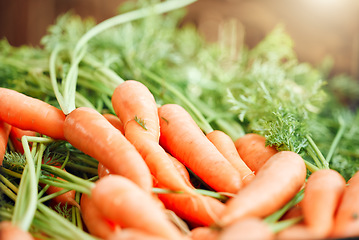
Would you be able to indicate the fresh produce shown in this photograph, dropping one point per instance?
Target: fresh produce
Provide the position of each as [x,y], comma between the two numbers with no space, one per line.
[278,181]
[194,150]
[41,116]
[137,109]
[89,131]
[141,110]
[324,189]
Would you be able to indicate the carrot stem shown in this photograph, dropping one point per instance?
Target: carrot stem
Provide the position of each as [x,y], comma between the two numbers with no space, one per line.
[200,191]
[279,226]
[311,153]
[323,162]
[11,173]
[68,176]
[7,191]
[77,211]
[8,183]
[53,195]
[338,136]
[66,185]
[312,168]
[25,205]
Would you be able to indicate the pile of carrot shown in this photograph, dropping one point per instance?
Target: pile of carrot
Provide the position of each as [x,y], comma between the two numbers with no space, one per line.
[154,161]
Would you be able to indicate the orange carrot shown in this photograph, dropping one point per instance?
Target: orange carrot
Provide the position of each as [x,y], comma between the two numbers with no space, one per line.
[247,229]
[8,231]
[96,224]
[132,234]
[322,193]
[133,99]
[226,146]
[115,121]
[253,151]
[90,132]
[198,211]
[204,233]
[137,109]
[102,170]
[15,137]
[4,137]
[346,222]
[181,169]
[280,178]
[30,113]
[184,140]
[124,203]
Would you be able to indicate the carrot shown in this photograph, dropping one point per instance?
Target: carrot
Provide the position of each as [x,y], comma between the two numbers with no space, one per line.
[322,194]
[251,228]
[15,137]
[133,99]
[102,170]
[132,234]
[124,203]
[181,169]
[90,132]
[204,233]
[185,141]
[279,179]
[198,211]
[30,113]
[253,151]
[4,137]
[96,224]
[226,146]
[115,121]
[9,231]
[137,109]
[346,222]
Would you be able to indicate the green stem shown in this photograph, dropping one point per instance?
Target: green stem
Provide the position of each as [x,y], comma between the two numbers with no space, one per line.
[77,211]
[27,195]
[11,173]
[200,191]
[7,191]
[52,70]
[336,140]
[9,184]
[281,225]
[53,195]
[324,164]
[312,168]
[85,184]
[311,153]
[66,185]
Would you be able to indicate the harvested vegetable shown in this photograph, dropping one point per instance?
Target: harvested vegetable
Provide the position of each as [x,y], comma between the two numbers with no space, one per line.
[294,110]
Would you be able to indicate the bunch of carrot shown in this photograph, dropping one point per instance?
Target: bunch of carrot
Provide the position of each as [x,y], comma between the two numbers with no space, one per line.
[148,158]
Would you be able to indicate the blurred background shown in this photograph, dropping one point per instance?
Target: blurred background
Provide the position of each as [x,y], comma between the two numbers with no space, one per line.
[319,28]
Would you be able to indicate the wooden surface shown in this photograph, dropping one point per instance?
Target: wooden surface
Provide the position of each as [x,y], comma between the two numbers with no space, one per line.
[319,28]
